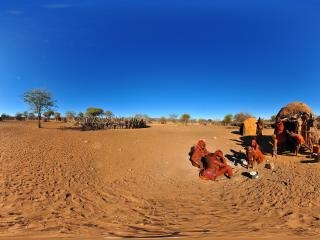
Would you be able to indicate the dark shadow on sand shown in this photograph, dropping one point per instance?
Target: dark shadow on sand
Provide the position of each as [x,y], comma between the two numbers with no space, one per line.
[237,132]
[265,142]
[246,174]
[310,161]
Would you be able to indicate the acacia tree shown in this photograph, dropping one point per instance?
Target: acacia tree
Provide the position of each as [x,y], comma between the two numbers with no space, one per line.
[94,112]
[227,119]
[39,100]
[185,118]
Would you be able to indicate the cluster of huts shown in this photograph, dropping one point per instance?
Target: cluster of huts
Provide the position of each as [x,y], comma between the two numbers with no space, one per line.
[296,117]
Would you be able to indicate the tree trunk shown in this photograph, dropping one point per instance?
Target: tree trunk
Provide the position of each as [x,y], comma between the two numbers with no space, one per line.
[39,120]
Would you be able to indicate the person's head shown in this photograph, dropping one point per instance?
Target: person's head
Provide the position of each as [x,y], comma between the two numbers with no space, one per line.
[201,144]
[218,153]
[253,142]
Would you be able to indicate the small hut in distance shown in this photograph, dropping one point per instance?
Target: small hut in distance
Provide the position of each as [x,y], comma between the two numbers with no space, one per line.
[248,127]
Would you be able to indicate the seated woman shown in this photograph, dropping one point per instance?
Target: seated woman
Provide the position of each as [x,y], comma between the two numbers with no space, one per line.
[197,153]
[215,165]
[254,154]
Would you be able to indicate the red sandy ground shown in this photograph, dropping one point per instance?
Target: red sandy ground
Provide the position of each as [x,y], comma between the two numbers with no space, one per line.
[58,182]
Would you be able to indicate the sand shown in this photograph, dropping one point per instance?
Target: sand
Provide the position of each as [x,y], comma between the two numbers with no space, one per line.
[57,183]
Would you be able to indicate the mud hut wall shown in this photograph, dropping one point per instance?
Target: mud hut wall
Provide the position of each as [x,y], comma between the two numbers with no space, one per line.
[249,127]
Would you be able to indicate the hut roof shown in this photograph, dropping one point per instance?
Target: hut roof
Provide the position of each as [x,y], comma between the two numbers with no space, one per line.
[294,108]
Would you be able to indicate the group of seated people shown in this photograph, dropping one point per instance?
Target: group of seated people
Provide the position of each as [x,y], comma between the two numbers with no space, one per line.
[211,165]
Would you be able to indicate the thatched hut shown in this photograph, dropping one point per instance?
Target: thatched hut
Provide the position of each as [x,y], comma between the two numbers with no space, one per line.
[248,127]
[297,117]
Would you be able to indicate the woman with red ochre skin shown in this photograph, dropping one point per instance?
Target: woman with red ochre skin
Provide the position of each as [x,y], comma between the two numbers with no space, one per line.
[199,152]
[215,165]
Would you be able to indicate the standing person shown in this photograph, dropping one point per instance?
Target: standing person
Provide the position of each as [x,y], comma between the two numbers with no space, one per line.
[297,140]
[274,146]
[279,127]
[259,129]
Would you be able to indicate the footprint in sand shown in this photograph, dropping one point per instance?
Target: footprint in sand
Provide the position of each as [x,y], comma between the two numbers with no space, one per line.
[68,198]
[96,145]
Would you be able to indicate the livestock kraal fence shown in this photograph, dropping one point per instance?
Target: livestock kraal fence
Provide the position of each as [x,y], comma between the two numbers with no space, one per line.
[96,123]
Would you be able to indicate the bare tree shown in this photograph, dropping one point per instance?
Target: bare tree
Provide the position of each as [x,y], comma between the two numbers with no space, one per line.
[240,117]
[173,117]
[70,115]
[57,116]
[80,115]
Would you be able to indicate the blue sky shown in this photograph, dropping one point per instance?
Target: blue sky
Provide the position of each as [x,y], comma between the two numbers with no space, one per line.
[207,58]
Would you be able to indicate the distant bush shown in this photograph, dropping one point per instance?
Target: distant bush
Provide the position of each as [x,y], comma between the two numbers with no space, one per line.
[5,116]
[19,117]
[70,116]
[163,120]
[57,116]
[203,121]
[48,114]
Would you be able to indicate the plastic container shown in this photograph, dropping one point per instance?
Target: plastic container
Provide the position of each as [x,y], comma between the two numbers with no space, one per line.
[254,175]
